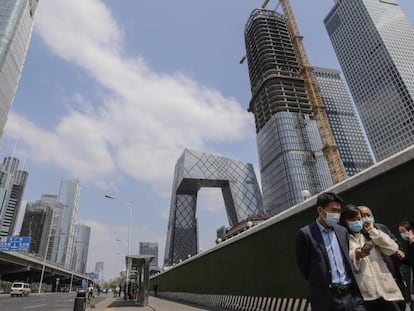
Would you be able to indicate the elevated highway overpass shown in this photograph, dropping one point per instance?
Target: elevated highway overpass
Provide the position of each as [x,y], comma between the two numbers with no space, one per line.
[20,266]
[256,270]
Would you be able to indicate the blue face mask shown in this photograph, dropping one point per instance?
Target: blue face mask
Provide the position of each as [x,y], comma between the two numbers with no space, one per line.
[355,226]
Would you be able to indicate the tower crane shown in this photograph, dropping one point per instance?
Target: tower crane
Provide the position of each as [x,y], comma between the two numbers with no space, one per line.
[329,146]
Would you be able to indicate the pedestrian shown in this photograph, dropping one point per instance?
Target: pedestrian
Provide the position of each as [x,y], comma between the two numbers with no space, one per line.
[393,262]
[367,244]
[90,291]
[406,230]
[322,255]
[156,290]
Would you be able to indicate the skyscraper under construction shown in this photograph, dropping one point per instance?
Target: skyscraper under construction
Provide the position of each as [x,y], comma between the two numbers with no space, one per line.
[289,144]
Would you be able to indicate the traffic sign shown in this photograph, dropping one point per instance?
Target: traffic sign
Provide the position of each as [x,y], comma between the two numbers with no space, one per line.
[15,244]
[93,276]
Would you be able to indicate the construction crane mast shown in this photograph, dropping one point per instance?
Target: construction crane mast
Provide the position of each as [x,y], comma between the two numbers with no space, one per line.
[329,149]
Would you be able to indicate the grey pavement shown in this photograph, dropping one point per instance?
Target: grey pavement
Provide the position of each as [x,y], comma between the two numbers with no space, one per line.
[154,304]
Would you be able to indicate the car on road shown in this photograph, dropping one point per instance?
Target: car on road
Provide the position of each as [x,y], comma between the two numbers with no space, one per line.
[20,289]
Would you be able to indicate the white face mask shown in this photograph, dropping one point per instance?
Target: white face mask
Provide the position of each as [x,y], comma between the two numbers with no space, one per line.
[332,218]
[404,236]
[368,219]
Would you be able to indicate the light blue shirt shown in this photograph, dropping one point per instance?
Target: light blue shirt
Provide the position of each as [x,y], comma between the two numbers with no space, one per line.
[336,260]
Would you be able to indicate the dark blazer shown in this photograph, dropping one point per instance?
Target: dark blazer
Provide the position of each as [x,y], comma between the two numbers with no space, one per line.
[313,262]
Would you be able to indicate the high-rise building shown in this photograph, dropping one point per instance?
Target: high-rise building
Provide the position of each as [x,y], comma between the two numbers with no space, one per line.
[69,196]
[194,170]
[36,224]
[12,185]
[57,214]
[43,218]
[80,258]
[148,248]
[289,145]
[374,43]
[16,24]
[99,269]
[348,132]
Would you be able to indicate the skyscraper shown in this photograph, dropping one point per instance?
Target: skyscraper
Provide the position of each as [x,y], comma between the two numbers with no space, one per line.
[16,24]
[348,132]
[148,248]
[288,141]
[374,43]
[80,258]
[57,214]
[99,269]
[69,196]
[194,170]
[36,224]
[12,185]
[42,221]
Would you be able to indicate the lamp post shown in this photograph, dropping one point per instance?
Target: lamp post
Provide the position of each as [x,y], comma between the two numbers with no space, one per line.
[129,205]
[73,261]
[45,256]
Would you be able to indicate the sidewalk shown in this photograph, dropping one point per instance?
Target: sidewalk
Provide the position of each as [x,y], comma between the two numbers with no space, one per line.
[155,304]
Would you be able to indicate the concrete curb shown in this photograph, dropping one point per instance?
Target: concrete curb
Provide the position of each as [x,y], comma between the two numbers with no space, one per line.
[101,306]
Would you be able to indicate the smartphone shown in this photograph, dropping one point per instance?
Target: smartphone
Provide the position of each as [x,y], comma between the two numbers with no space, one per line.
[367,246]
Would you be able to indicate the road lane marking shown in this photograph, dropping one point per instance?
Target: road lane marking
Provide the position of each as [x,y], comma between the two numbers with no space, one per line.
[32,307]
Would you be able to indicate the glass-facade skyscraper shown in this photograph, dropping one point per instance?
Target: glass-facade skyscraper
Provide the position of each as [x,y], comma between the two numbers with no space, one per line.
[148,248]
[374,43]
[289,145]
[36,224]
[12,186]
[239,186]
[68,196]
[346,128]
[80,258]
[16,24]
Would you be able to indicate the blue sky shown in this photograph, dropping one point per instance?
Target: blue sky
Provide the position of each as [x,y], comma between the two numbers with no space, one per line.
[113,91]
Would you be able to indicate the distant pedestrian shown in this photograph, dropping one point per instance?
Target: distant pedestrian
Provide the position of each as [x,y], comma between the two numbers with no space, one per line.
[156,290]
[322,255]
[406,230]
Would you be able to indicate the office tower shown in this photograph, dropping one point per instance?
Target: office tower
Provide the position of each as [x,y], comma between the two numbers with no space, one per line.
[374,43]
[193,170]
[16,24]
[69,196]
[12,185]
[43,217]
[348,132]
[148,248]
[99,269]
[57,214]
[289,145]
[80,258]
[36,224]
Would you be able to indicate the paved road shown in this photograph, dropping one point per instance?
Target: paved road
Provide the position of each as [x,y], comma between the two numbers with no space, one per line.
[41,302]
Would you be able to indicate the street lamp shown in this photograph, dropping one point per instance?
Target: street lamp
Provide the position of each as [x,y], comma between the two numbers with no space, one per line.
[44,260]
[129,205]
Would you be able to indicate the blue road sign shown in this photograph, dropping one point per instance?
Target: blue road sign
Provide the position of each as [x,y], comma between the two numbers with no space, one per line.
[93,276]
[15,244]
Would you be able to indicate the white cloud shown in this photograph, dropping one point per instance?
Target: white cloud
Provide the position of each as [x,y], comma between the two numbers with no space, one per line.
[145,124]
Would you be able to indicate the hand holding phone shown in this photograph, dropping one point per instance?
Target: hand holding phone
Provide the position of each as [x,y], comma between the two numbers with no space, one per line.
[367,246]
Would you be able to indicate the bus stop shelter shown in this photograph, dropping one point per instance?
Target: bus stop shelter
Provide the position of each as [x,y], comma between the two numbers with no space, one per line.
[138,275]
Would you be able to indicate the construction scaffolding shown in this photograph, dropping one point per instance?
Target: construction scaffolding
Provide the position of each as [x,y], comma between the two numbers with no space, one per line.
[330,148]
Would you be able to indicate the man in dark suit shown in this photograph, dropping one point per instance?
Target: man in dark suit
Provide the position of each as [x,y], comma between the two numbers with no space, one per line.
[322,254]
